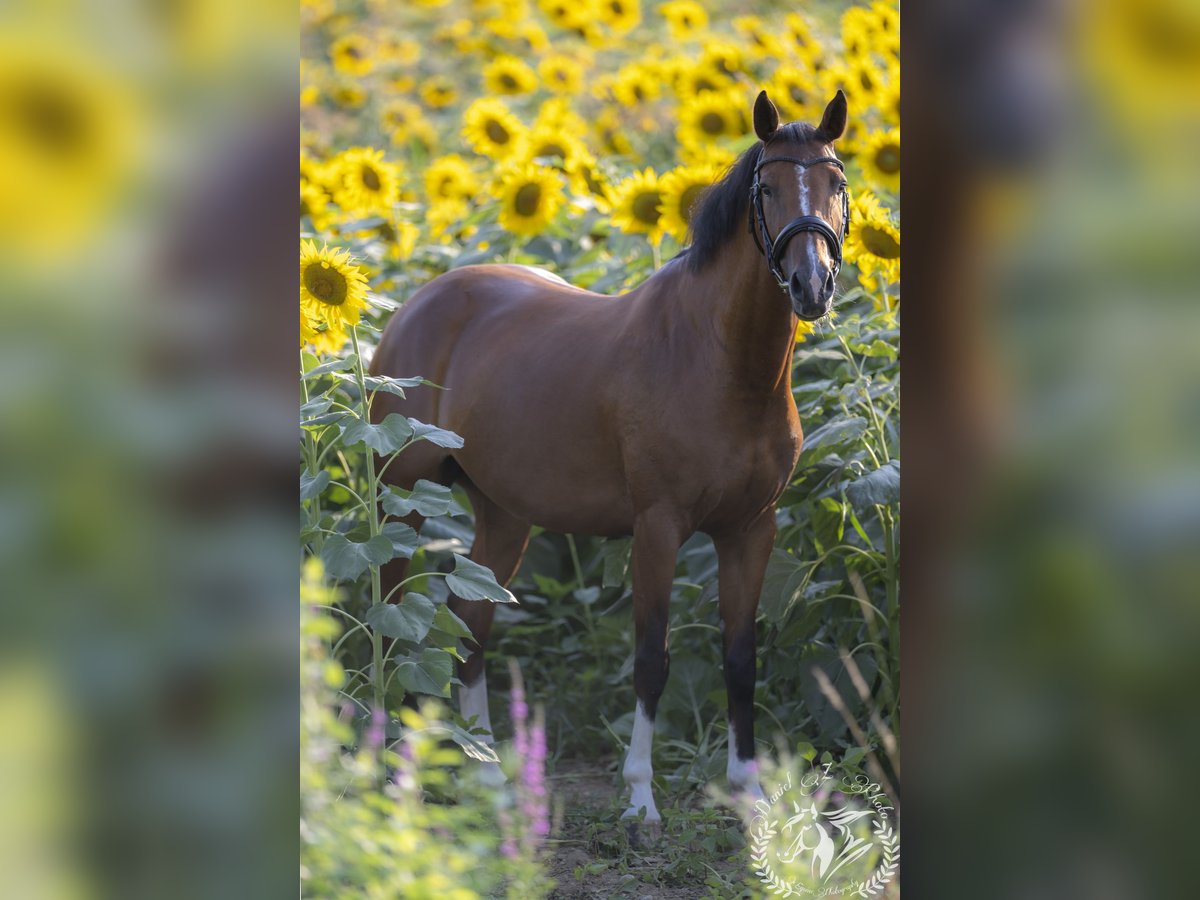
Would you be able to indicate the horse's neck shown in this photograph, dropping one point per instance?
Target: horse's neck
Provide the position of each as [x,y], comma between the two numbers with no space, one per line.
[752,321]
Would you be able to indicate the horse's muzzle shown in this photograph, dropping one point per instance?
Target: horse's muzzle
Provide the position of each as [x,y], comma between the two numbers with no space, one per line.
[807,303]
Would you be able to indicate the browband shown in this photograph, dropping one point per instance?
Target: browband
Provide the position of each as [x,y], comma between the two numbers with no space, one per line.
[774,248]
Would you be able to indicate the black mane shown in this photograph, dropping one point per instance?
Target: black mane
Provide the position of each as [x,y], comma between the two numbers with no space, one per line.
[722,210]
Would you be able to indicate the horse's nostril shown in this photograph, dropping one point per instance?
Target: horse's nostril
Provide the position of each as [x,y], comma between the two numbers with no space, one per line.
[828,286]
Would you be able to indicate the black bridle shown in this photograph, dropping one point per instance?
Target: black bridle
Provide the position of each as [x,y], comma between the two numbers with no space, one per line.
[774,248]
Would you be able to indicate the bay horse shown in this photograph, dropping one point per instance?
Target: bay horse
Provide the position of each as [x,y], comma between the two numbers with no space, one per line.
[658,413]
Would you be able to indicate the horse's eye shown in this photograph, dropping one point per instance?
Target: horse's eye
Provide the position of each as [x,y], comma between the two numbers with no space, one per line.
[842,188]
[766,191]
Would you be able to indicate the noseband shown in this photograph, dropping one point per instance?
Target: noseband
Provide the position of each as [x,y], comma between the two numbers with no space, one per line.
[774,248]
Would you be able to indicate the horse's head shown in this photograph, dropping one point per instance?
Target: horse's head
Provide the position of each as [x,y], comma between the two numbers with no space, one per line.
[798,205]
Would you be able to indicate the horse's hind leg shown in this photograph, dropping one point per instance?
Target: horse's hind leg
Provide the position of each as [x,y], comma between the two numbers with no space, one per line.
[500,542]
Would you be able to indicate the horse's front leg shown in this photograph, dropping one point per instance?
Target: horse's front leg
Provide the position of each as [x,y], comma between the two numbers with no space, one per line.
[742,558]
[656,541]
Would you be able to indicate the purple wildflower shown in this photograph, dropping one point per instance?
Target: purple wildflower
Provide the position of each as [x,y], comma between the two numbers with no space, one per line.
[376,732]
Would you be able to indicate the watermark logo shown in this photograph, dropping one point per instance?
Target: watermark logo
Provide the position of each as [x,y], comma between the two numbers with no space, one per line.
[830,835]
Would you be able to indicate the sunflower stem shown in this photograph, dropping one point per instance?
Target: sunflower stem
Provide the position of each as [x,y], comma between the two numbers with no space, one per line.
[657,255]
[377,680]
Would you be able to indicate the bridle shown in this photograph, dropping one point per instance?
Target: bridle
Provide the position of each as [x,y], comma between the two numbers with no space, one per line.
[774,248]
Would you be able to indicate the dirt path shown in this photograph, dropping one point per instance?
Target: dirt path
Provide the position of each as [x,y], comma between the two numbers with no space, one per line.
[592,856]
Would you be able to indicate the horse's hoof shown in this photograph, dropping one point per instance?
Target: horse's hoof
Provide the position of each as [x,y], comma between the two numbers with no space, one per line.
[643,835]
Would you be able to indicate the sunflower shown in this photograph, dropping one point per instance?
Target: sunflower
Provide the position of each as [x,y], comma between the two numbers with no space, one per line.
[400,115]
[873,244]
[562,150]
[401,51]
[367,184]
[438,93]
[333,291]
[450,178]
[314,203]
[530,196]
[722,56]
[685,18]
[680,188]
[610,133]
[621,16]
[638,205]
[562,74]
[760,43]
[348,96]
[351,55]
[798,38]
[635,83]
[491,129]
[309,95]
[795,92]
[880,158]
[690,79]
[509,75]
[588,182]
[710,116]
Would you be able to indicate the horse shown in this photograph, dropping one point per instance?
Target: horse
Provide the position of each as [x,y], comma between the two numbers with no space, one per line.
[656,414]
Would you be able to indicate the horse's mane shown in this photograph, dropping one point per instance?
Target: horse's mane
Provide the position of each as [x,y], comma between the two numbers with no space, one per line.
[721,210]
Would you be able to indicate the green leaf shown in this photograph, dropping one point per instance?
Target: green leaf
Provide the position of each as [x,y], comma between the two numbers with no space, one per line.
[446,621]
[403,538]
[393,385]
[835,433]
[853,756]
[427,672]
[615,554]
[345,560]
[330,418]
[471,745]
[315,407]
[334,365]
[435,435]
[472,581]
[312,485]
[879,487]
[426,499]
[388,436]
[409,620]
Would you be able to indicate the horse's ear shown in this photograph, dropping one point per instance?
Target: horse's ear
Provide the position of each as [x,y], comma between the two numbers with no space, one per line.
[833,123]
[766,117]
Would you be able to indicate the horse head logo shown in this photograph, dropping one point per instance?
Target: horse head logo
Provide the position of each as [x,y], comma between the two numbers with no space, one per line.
[826,835]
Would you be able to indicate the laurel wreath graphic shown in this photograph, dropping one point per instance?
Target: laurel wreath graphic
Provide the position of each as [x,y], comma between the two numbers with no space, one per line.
[884,872]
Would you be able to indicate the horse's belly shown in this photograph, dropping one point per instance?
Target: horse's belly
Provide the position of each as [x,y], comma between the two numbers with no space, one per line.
[572,489]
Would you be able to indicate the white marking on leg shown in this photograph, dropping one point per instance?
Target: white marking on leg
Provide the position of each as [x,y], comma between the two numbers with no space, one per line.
[473,703]
[742,773]
[638,771]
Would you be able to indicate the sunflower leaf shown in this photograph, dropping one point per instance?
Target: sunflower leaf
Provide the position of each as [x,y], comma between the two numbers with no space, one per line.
[435,435]
[427,672]
[312,485]
[334,365]
[388,436]
[426,499]
[345,559]
[472,581]
[403,538]
[408,620]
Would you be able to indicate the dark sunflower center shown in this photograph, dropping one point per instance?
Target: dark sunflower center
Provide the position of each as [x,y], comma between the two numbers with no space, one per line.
[508,81]
[888,159]
[354,53]
[370,179]
[712,123]
[552,150]
[617,7]
[703,84]
[645,207]
[638,93]
[798,94]
[53,120]
[879,242]
[688,198]
[529,197]
[496,132]
[866,81]
[326,284]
